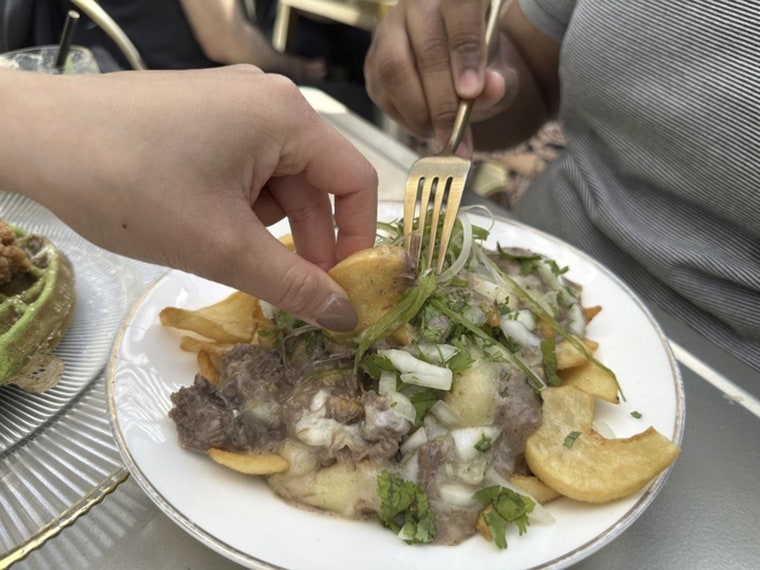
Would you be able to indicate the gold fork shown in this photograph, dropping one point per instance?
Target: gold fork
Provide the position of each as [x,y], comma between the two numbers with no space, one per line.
[444,176]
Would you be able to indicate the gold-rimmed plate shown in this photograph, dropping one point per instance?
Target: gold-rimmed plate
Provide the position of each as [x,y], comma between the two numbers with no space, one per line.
[239,517]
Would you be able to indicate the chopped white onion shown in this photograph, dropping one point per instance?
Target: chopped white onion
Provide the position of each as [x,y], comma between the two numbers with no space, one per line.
[492,292]
[267,309]
[387,383]
[418,372]
[445,414]
[410,467]
[402,406]
[457,495]
[438,353]
[577,324]
[433,427]
[518,332]
[527,318]
[414,441]
[465,440]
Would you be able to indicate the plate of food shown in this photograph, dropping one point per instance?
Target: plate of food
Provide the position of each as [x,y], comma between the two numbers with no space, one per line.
[62,303]
[520,409]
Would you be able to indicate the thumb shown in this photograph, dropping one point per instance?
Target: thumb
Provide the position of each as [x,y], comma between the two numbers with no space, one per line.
[272,272]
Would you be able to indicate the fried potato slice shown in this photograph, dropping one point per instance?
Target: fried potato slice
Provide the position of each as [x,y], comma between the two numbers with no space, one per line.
[349,489]
[534,487]
[287,241]
[209,366]
[590,312]
[250,463]
[586,466]
[195,344]
[374,280]
[568,355]
[592,379]
[233,319]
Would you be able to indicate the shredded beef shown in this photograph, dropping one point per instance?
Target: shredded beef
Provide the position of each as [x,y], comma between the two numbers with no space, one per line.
[203,418]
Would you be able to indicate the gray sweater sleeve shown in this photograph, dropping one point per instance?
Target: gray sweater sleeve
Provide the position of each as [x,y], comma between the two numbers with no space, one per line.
[549,16]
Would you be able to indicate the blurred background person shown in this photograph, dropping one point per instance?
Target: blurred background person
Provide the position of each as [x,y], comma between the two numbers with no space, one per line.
[343,47]
[170,34]
[658,102]
[191,34]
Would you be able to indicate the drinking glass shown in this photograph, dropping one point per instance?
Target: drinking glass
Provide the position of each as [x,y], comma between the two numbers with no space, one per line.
[42,59]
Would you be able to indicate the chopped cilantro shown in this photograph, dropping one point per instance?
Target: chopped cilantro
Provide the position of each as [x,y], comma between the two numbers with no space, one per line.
[374,365]
[484,444]
[490,344]
[423,400]
[504,506]
[570,439]
[556,268]
[460,361]
[636,414]
[405,509]
[434,325]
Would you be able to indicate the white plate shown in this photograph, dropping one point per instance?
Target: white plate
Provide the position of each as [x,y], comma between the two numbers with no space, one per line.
[239,516]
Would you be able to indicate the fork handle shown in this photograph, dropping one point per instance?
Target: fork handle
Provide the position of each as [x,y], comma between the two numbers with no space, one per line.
[465,105]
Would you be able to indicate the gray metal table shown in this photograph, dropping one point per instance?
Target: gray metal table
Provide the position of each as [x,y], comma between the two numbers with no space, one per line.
[704,517]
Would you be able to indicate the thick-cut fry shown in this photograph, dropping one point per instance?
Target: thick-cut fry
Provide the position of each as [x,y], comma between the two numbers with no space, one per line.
[287,241]
[250,463]
[590,312]
[569,356]
[592,379]
[374,280]
[195,344]
[234,319]
[569,456]
[209,366]
[534,487]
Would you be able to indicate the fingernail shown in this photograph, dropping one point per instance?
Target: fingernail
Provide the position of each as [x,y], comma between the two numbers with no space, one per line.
[338,315]
[469,84]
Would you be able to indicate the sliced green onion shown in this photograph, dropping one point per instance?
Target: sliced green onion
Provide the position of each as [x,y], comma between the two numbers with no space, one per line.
[533,379]
[403,312]
[536,307]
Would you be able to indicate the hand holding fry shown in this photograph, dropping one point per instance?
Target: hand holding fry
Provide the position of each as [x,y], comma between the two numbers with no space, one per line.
[196,181]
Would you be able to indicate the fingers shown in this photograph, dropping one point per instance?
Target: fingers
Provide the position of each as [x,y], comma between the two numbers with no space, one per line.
[309,212]
[426,27]
[250,259]
[329,165]
[465,28]
[425,55]
[392,80]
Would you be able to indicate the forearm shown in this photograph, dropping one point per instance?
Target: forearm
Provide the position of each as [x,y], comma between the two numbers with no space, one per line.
[26,149]
[58,145]
[226,36]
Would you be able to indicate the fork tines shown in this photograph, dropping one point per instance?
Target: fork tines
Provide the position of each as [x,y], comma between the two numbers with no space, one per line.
[437,186]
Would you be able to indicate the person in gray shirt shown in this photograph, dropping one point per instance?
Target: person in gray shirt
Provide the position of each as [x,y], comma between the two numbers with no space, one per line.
[660,104]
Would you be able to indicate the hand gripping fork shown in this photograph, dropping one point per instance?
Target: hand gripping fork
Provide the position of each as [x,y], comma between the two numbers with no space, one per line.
[444,176]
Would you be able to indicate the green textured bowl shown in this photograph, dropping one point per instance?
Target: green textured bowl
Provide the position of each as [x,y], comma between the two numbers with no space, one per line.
[35,310]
